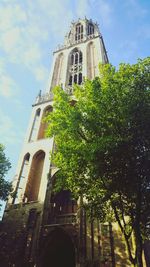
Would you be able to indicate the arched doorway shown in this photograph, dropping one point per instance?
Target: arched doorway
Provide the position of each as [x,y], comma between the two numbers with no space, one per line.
[59,250]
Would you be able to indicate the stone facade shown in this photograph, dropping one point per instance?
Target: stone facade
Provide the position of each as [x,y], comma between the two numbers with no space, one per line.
[40,228]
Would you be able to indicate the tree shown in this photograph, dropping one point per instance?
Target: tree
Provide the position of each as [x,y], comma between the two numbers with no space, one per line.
[103,147]
[5,186]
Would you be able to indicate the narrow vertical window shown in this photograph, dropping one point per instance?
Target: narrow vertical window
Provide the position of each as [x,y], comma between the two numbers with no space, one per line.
[79,32]
[22,179]
[90,29]
[43,125]
[80,78]
[75,67]
[75,78]
[80,57]
[34,129]
[24,170]
[76,58]
[72,59]
[91,59]
[58,70]
[70,80]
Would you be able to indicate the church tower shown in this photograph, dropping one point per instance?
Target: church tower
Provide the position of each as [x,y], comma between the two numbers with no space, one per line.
[75,61]
[41,228]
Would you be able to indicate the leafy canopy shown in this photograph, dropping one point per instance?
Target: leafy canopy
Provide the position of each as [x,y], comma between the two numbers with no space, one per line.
[5,165]
[103,144]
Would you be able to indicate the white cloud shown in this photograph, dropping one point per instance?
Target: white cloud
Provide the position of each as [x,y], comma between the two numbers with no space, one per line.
[8,87]
[10,39]
[40,73]
[27,27]
[8,135]
[31,55]
[10,15]
[35,32]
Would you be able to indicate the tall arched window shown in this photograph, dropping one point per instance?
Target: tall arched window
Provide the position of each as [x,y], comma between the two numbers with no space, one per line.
[75,78]
[80,57]
[43,125]
[34,178]
[58,70]
[90,29]
[24,170]
[34,129]
[90,61]
[75,67]
[79,32]
[22,179]
[76,58]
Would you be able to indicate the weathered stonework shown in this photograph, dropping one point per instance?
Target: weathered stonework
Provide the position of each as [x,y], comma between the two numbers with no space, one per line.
[15,230]
[39,228]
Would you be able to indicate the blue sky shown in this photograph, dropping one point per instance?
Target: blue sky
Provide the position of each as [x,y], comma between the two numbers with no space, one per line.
[30,30]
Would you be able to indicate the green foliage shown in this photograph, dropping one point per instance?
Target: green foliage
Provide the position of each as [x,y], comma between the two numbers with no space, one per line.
[5,186]
[103,145]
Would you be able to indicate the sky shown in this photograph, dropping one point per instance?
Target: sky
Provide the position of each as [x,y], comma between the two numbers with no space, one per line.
[30,30]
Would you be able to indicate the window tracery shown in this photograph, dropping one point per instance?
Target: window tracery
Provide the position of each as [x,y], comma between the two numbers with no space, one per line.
[90,29]
[79,32]
[75,68]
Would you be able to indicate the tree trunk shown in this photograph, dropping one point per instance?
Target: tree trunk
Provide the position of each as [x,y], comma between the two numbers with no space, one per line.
[112,245]
[137,229]
[131,258]
[139,247]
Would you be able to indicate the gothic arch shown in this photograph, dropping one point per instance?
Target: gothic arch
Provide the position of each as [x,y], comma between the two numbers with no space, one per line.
[58,70]
[21,179]
[27,156]
[75,62]
[59,250]
[34,178]
[43,125]
[90,29]
[90,61]
[79,32]
[34,128]
[25,165]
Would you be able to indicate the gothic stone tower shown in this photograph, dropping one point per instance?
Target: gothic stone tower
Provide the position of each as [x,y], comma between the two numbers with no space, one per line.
[40,228]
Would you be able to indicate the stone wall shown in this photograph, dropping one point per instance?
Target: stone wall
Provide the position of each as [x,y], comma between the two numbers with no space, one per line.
[19,234]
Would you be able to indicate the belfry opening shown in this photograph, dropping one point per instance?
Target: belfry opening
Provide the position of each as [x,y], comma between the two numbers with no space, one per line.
[59,250]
